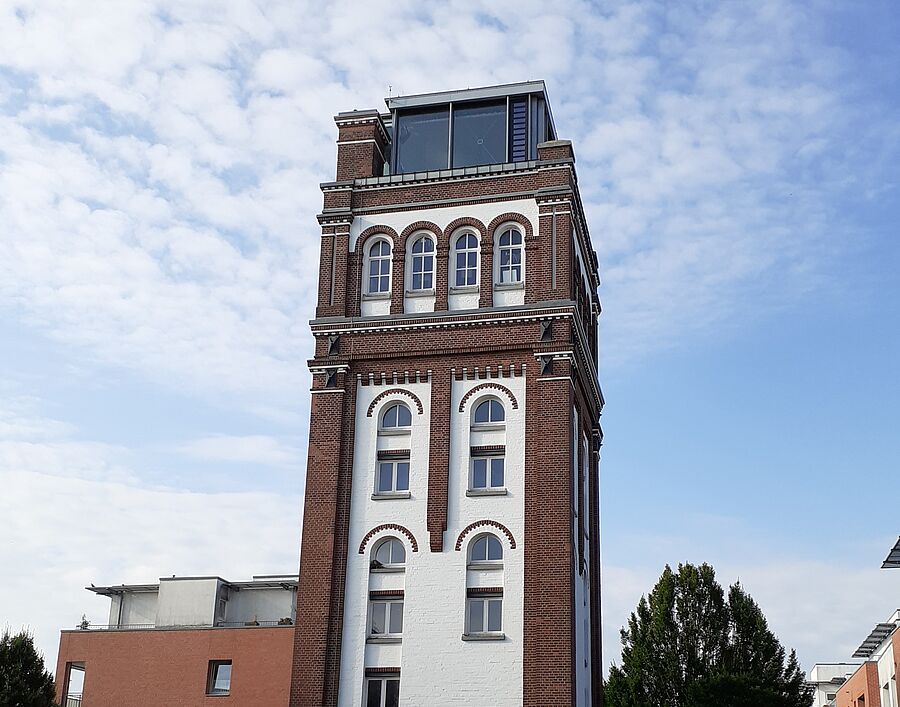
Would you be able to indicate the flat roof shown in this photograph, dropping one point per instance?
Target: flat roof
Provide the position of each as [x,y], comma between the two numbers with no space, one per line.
[874,639]
[272,581]
[893,559]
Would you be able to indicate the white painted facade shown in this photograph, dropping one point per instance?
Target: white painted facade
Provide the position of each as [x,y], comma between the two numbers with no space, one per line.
[437,665]
[827,678]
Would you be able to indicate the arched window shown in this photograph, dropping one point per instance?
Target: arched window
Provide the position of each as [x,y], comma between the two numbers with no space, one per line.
[466,266]
[389,553]
[486,548]
[379,267]
[488,411]
[509,251]
[422,264]
[396,416]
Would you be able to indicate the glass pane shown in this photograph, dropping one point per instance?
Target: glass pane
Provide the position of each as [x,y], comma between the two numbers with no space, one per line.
[494,548]
[385,476]
[392,693]
[422,139]
[476,616]
[373,284]
[383,553]
[390,417]
[479,134]
[378,611]
[427,283]
[396,617]
[497,414]
[505,255]
[479,474]
[494,614]
[482,412]
[222,679]
[497,472]
[373,696]
[417,282]
[398,552]
[403,476]
[385,265]
[404,416]
[479,549]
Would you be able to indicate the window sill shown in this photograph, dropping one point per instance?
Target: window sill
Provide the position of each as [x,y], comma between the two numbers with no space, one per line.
[485,636]
[485,565]
[486,492]
[376,295]
[509,286]
[390,495]
[394,431]
[384,639]
[467,289]
[488,426]
[387,570]
[420,293]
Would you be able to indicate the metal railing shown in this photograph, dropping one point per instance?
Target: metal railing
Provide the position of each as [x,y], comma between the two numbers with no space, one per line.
[73,699]
[218,624]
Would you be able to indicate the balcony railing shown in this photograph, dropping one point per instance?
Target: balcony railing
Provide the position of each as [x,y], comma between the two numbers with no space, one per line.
[73,699]
[219,624]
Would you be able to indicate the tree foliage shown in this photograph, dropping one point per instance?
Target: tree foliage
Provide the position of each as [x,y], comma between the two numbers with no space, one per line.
[23,680]
[689,645]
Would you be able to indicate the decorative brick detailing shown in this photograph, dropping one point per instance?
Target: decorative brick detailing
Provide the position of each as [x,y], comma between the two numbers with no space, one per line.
[387,526]
[515,218]
[386,593]
[484,386]
[486,449]
[392,670]
[394,391]
[484,591]
[464,221]
[417,227]
[481,523]
[439,460]
[393,453]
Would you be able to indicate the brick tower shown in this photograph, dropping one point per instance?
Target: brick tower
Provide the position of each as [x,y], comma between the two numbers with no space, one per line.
[450,550]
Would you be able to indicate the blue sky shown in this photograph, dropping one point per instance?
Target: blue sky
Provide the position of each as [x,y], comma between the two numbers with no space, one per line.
[159,177]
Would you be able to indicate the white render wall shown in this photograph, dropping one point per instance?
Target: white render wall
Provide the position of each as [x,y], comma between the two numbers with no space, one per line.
[437,666]
[187,602]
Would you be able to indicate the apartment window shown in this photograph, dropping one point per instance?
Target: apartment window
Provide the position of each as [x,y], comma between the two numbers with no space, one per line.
[422,264]
[383,691]
[379,267]
[487,548]
[509,251]
[479,133]
[389,553]
[422,139]
[386,618]
[393,476]
[466,251]
[218,681]
[487,473]
[485,614]
[396,416]
[489,411]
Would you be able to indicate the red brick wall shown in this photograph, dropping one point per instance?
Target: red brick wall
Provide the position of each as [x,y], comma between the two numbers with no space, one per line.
[166,668]
[863,683]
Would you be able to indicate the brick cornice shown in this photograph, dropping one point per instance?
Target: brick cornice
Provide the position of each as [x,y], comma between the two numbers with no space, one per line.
[486,386]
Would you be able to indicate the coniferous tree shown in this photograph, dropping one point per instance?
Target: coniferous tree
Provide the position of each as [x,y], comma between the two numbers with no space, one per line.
[23,680]
[686,645]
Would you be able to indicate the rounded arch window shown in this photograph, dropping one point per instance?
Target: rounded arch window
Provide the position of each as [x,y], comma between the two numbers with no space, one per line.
[396,416]
[390,552]
[509,261]
[379,255]
[486,548]
[466,265]
[489,411]
[422,264]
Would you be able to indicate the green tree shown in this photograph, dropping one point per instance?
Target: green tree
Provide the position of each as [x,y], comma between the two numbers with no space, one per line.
[688,645]
[23,680]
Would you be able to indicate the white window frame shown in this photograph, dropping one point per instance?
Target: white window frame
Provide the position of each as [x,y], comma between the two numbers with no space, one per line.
[383,679]
[390,566]
[367,276]
[455,251]
[484,564]
[488,459]
[390,609]
[498,257]
[393,490]
[484,600]
[490,424]
[421,257]
[399,429]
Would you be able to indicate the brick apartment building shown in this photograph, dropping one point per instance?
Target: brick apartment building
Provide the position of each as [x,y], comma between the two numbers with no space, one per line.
[450,551]
[451,533]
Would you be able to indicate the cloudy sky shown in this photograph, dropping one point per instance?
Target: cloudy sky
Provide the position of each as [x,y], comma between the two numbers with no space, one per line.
[159,171]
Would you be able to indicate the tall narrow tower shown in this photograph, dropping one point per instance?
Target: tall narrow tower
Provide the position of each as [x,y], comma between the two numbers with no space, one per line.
[450,550]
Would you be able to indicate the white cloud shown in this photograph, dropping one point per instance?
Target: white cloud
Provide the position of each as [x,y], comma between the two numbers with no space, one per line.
[252,449]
